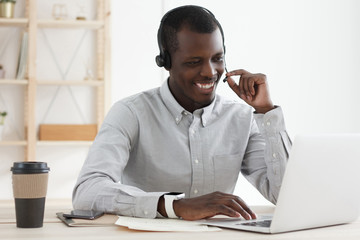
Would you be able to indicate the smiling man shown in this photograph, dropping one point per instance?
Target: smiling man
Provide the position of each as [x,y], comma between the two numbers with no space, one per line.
[177,150]
[196,67]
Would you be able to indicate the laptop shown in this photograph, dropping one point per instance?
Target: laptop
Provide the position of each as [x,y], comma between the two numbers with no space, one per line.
[321,187]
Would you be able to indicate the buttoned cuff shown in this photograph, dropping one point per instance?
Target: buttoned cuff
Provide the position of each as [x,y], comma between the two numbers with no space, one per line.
[271,122]
[142,206]
[146,207]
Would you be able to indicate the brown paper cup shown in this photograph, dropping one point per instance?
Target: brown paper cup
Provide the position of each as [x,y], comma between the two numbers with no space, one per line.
[29,187]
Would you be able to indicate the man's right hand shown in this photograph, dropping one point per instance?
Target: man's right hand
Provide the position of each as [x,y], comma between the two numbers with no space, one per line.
[212,204]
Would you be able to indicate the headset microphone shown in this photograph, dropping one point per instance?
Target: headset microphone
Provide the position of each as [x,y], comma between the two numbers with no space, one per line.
[225,79]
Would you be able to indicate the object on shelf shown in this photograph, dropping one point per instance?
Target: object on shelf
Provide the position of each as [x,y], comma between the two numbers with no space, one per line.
[67,132]
[81,13]
[21,69]
[2,117]
[7,8]
[89,73]
[59,12]
[2,121]
[2,72]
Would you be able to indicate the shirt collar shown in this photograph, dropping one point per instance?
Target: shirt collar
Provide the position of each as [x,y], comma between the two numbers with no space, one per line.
[170,102]
[177,111]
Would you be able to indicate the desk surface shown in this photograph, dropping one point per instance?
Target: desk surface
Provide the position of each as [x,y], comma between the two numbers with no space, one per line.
[54,228]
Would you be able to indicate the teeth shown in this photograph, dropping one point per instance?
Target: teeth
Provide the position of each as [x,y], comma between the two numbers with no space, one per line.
[205,86]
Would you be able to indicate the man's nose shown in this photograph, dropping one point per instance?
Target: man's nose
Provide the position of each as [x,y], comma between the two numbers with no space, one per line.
[208,70]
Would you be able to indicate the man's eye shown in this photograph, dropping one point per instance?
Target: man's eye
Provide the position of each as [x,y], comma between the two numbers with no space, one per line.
[219,59]
[192,63]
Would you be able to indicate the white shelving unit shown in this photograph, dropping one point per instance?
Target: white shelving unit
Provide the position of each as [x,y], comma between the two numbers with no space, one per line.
[64,143]
[13,82]
[71,83]
[32,24]
[70,24]
[14,22]
[13,143]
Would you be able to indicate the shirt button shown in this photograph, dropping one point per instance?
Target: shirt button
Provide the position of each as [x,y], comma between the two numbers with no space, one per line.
[146,212]
[268,123]
[196,191]
[196,161]
[274,155]
[192,131]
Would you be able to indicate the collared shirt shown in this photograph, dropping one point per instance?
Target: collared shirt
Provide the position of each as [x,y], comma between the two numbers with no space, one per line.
[149,145]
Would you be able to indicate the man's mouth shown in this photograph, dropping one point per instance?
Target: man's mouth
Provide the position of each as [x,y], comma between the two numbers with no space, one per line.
[205,85]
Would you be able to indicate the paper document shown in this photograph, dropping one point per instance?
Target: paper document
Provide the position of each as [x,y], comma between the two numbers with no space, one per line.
[163,224]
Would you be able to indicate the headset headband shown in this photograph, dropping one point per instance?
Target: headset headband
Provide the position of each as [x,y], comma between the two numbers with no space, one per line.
[164,59]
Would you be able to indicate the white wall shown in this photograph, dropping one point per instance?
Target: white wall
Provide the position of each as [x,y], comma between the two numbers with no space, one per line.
[309,50]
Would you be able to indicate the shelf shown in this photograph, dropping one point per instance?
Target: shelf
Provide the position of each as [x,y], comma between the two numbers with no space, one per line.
[23,22]
[13,143]
[48,143]
[98,49]
[14,22]
[64,143]
[70,24]
[13,82]
[53,82]
[71,82]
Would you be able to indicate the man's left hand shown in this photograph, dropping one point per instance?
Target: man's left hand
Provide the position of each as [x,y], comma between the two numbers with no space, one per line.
[252,88]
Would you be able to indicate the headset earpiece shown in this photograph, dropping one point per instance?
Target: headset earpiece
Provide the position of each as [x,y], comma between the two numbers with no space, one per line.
[163,60]
[159,61]
[167,60]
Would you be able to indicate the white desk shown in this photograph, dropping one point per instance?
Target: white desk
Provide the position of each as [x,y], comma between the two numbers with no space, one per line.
[54,229]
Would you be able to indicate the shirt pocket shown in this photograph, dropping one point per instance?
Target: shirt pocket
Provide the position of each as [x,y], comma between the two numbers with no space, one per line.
[226,171]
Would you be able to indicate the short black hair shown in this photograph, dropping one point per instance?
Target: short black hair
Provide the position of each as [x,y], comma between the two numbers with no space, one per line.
[197,19]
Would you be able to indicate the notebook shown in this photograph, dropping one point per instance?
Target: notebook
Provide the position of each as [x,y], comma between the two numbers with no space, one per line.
[321,187]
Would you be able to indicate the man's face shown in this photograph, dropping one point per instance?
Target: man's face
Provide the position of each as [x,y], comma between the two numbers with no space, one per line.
[196,67]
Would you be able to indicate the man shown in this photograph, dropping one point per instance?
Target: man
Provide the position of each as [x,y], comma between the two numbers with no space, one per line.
[184,138]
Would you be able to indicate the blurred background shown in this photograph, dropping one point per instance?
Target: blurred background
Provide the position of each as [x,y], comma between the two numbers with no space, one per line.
[308,49]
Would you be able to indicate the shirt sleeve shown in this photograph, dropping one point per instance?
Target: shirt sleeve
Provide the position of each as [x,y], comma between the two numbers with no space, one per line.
[99,184]
[267,153]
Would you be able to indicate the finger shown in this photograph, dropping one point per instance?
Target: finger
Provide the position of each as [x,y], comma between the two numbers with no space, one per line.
[234,203]
[228,211]
[245,85]
[252,87]
[241,87]
[233,85]
[237,72]
[245,207]
[238,208]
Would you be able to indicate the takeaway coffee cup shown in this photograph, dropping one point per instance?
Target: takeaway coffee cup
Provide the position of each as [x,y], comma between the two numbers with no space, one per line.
[29,186]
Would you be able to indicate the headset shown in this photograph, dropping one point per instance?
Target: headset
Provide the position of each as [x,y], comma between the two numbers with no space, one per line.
[164,58]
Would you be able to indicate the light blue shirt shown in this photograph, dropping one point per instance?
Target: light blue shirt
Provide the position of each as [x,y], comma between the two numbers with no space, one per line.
[149,145]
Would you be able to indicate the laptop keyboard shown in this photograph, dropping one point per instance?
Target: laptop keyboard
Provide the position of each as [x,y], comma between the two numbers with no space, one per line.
[263,223]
